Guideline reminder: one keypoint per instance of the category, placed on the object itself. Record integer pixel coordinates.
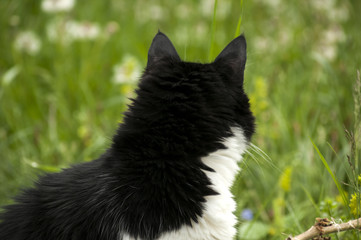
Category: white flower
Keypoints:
(52, 6)
(27, 42)
(127, 71)
(206, 7)
(328, 46)
(334, 34)
(339, 14)
(111, 28)
(275, 4)
(262, 43)
(285, 37)
(67, 31)
(325, 5)
(145, 13)
(334, 12)
(156, 12)
(82, 30)
(55, 30)
(326, 51)
(201, 31)
(184, 11)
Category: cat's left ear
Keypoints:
(234, 55)
(161, 47)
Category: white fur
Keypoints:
(217, 222)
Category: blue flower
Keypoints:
(247, 214)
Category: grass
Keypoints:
(60, 104)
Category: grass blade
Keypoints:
(338, 185)
(210, 57)
(238, 30)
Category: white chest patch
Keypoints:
(218, 221)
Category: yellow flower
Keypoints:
(285, 179)
(340, 199)
(355, 204)
(272, 231)
(84, 134)
(279, 202)
(83, 131)
(258, 98)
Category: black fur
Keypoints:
(151, 180)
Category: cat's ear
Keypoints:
(234, 55)
(161, 47)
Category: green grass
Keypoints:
(61, 104)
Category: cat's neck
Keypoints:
(225, 161)
(218, 220)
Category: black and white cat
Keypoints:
(169, 169)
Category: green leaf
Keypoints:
(253, 230)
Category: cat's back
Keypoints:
(66, 205)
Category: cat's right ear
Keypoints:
(161, 47)
(234, 55)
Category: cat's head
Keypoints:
(192, 102)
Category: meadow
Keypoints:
(67, 69)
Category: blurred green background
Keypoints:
(68, 67)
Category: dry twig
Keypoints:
(323, 226)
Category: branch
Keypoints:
(323, 226)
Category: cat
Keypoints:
(170, 166)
